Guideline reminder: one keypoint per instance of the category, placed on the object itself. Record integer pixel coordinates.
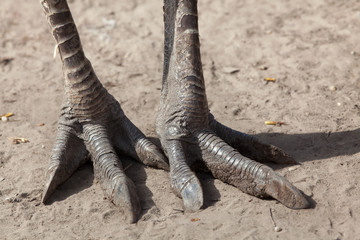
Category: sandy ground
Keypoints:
(310, 47)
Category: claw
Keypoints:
(283, 191)
(68, 154)
(121, 191)
(52, 182)
(192, 196)
(191, 193)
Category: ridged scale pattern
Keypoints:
(230, 166)
(84, 93)
(104, 156)
(183, 181)
(182, 67)
(180, 171)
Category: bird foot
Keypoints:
(190, 136)
(224, 152)
(76, 140)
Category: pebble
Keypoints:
(263, 68)
(277, 229)
(353, 52)
(332, 88)
(4, 119)
(339, 104)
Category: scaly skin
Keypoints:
(93, 123)
(189, 134)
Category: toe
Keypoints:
(150, 155)
(124, 196)
(283, 191)
(68, 154)
(249, 176)
(131, 141)
(250, 146)
(118, 188)
(109, 172)
(184, 182)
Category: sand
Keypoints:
(310, 47)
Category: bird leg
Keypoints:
(92, 123)
(191, 137)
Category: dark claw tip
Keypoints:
(283, 191)
(53, 180)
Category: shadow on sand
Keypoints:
(303, 147)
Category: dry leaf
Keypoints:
(270, 79)
(19, 140)
(270, 123)
(195, 219)
(7, 115)
(274, 123)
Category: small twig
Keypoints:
(330, 223)
(275, 123)
(276, 228)
(272, 218)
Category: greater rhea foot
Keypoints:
(93, 123)
(191, 137)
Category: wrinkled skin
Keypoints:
(191, 137)
(93, 124)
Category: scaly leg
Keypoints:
(189, 134)
(93, 123)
